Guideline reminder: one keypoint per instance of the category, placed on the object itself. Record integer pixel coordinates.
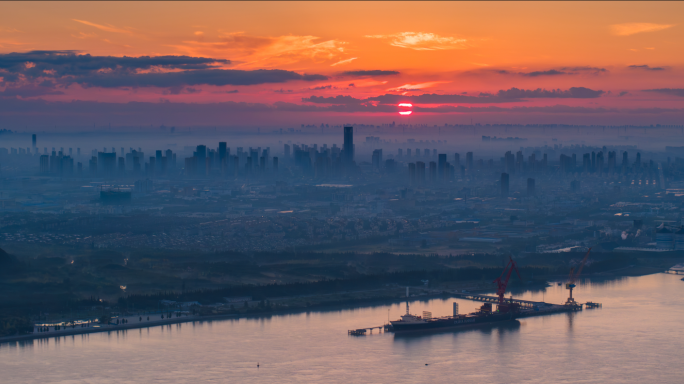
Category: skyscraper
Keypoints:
(433, 172)
(441, 166)
(348, 144)
(376, 160)
(504, 185)
(469, 161)
(530, 187)
(222, 152)
(420, 173)
(412, 173)
(33, 140)
(201, 162)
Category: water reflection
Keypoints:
(503, 328)
(638, 332)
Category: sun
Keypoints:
(404, 109)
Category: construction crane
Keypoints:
(502, 283)
(573, 278)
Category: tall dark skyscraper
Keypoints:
(504, 185)
(433, 172)
(348, 144)
(420, 173)
(222, 152)
(33, 140)
(469, 161)
(441, 166)
(201, 156)
(530, 187)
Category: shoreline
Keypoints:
(193, 318)
(322, 306)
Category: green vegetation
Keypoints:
(62, 283)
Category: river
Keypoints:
(638, 336)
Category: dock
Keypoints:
(494, 300)
(362, 331)
(528, 308)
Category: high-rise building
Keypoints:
(33, 140)
(469, 161)
(530, 187)
(377, 158)
(420, 173)
(44, 164)
(586, 162)
(504, 185)
(457, 160)
(201, 163)
(348, 145)
(106, 163)
(509, 161)
(222, 153)
(412, 173)
(442, 166)
(433, 172)
(92, 166)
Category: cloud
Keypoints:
(623, 93)
(596, 70)
(323, 87)
(261, 51)
(627, 29)
(375, 72)
(432, 98)
(347, 61)
(67, 67)
(70, 63)
(668, 91)
(555, 72)
(422, 41)
(574, 92)
(29, 91)
(646, 67)
(503, 96)
(337, 100)
(415, 87)
(19, 111)
(216, 77)
(107, 28)
(551, 72)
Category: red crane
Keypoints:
(503, 283)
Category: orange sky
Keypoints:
(459, 48)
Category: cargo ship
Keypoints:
(506, 310)
(485, 315)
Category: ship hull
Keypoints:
(398, 326)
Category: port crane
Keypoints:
(502, 283)
(573, 278)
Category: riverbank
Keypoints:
(304, 303)
(312, 302)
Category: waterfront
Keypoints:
(636, 337)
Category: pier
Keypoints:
(362, 331)
(494, 300)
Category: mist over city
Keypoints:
(243, 192)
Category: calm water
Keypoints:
(638, 336)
